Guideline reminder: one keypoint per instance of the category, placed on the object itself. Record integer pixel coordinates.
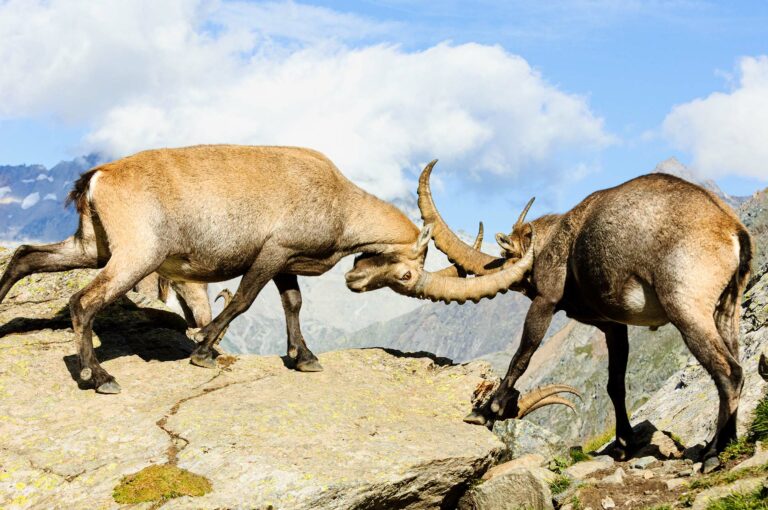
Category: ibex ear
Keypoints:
(424, 236)
(504, 241)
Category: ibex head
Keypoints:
(397, 269)
(403, 271)
(518, 240)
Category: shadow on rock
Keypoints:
(649, 442)
(438, 360)
(124, 329)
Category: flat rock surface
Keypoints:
(375, 429)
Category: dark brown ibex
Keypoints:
(210, 213)
(653, 250)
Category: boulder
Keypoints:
(376, 428)
(522, 437)
(582, 470)
(530, 460)
(515, 489)
(617, 478)
(643, 462)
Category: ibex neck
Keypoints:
(376, 226)
(544, 226)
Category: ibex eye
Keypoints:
(406, 276)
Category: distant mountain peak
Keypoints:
(673, 166)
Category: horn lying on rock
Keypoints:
(544, 396)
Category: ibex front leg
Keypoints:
(503, 404)
(298, 352)
(253, 281)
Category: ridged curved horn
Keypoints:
(547, 402)
(456, 270)
(544, 396)
(472, 260)
(447, 289)
(521, 218)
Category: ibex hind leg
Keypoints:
(702, 337)
(618, 353)
(72, 253)
(193, 298)
(120, 274)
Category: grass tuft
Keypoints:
(577, 455)
(595, 442)
(756, 500)
(160, 483)
(737, 448)
(758, 429)
(559, 484)
(726, 477)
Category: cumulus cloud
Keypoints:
(147, 74)
(727, 132)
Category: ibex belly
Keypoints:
(182, 268)
(641, 306)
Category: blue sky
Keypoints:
(618, 86)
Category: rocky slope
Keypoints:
(754, 214)
(376, 429)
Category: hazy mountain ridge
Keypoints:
(32, 197)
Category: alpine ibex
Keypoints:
(654, 250)
(211, 213)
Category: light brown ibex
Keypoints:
(654, 250)
(211, 213)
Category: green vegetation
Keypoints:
(738, 448)
(559, 484)
(577, 455)
(756, 500)
(558, 464)
(576, 503)
(160, 483)
(595, 442)
(758, 429)
(725, 477)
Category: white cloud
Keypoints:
(727, 133)
(148, 74)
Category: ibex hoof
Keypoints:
(204, 360)
(86, 374)
(109, 388)
(475, 418)
(310, 365)
(195, 334)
